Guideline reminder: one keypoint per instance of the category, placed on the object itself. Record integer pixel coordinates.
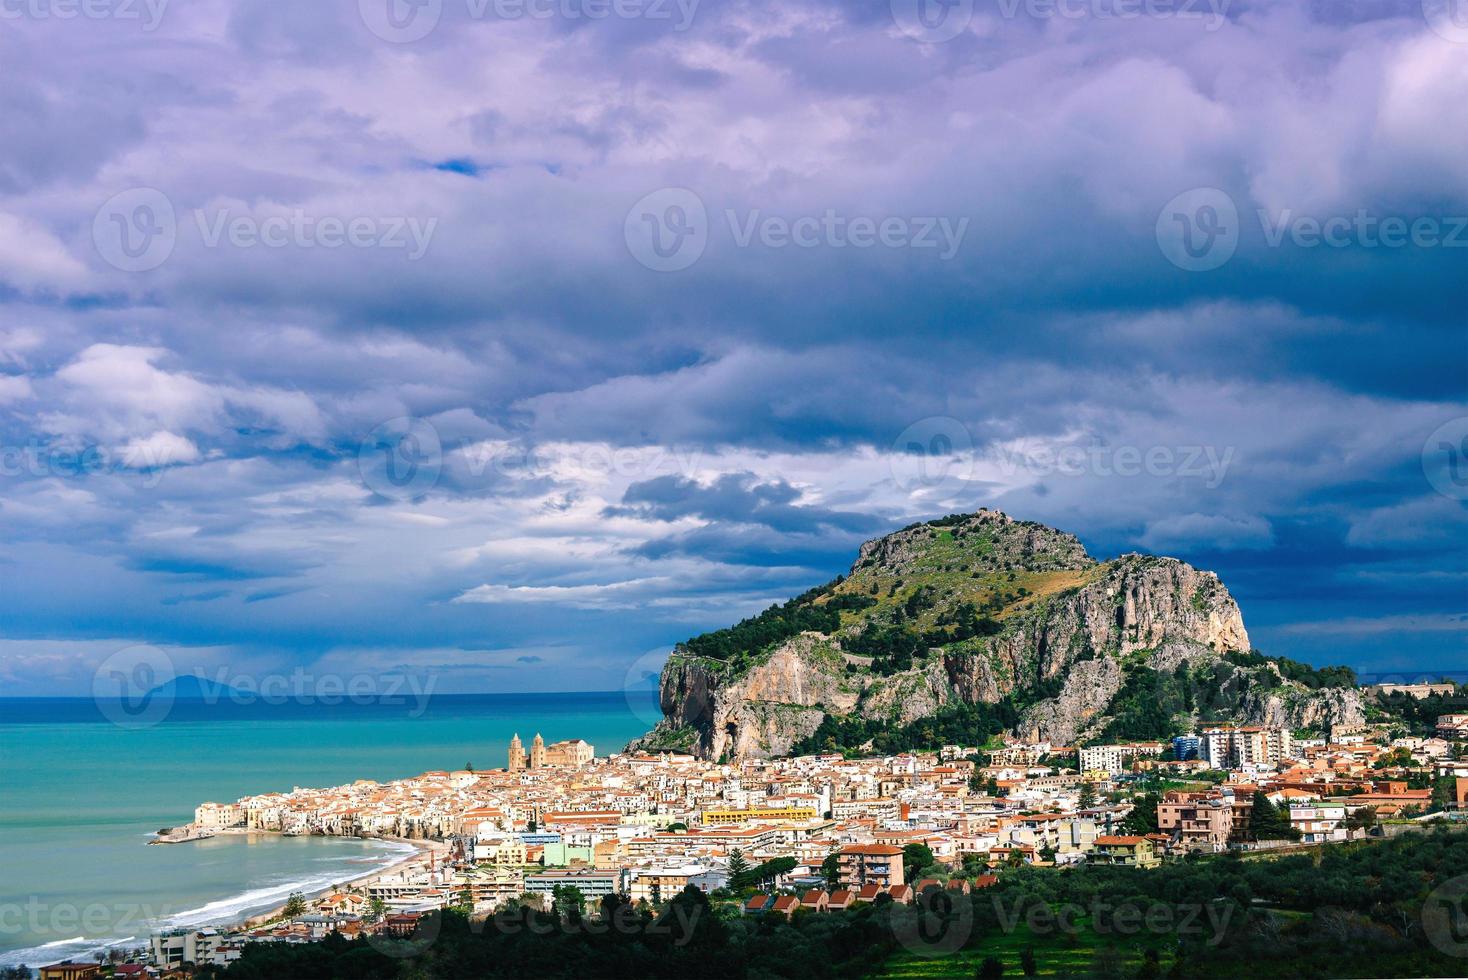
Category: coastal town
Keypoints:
(820, 833)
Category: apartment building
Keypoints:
(1197, 821)
(1320, 823)
(591, 882)
(1228, 746)
(1453, 727)
(863, 864)
(1136, 852)
(1112, 759)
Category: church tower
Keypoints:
(517, 754)
(537, 752)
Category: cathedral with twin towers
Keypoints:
(575, 753)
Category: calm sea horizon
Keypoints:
(87, 783)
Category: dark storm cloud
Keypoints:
(626, 456)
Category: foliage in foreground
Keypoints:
(1352, 910)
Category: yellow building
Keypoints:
(716, 818)
(1138, 852)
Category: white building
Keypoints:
(1228, 746)
(1111, 759)
(1319, 823)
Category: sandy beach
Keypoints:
(424, 850)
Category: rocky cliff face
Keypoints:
(996, 609)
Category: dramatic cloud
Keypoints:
(342, 342)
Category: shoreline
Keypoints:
(235, 921)
(421, 849)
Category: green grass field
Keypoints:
(1056, 954)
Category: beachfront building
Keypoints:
(218, 816)
(70, 970)
(197, 946)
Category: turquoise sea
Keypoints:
(81, 795)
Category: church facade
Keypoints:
(573, 753)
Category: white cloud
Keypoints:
(159, 449)
(31, 258)
(1212, 531)
(14, 388)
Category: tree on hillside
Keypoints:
(765, 873)
(831, 869)
(569, 901)
(1088, 795)
(1143, 818)
(294, 906)
(1269, 822)
(738, 870)
(916, 857)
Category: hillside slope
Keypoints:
(981, 616)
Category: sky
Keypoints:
(510, 342)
